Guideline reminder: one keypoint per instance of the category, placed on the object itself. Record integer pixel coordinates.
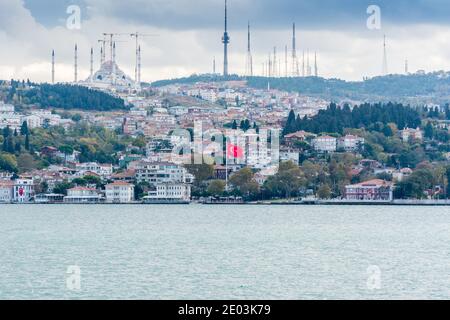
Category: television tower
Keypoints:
(249, 63)
(385, 63)
(53, 67)
(76, 64)
(225, 41)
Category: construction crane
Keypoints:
(111, 40)
(137, 70)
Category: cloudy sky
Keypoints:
(186, 35)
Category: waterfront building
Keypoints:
(83, 195)
(23, 190)
(119, 192)
(99, 169)
(6, 191)
(170, 193)
(371, 190)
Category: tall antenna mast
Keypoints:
(303, 64)
(76, 64)
(249, 63)
(294, 53)
(275, 71)
(53, 66)
(316, 71)
(225, 41)
(385, 63)
(286, 61)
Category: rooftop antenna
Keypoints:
(225, 41)
(249, 62)
(53, 66)
(385, 63)
(76, 64)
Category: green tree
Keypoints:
(429, 131)
(216, 188)
(324, 192)
(243, 183)
(24, 129)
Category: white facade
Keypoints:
(350, 143)
(6, 191)
(33, 121)
(6, 108)
(23, 190)
(100, 169)
(171, 192)
(161, 172)
(83, 195)
(325, 144)
(119, 192)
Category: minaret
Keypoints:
(113, 64)
(316, 71)
(139, 67)
(225, 41)
(249, 62)
(385, 63)
(270, 66)
(275, 71)
(76, 64)
(53, 67)
(294, 53)
(91, 77)
(214, 65)
(406, 67)
(101, 56)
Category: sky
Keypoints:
(185, 35)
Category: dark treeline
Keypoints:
(335, 119)
(62, 96)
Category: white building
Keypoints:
(161, 172)
(119, 192)
(83, 195)
(33, 121)
(23, 190)
(350, 143)
(325, 144)
(100, 169)
(170, 192)
(6, 191)
(408, 134)
(6, 108)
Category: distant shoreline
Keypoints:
(404, 203)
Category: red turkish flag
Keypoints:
(234, 151)
(21, 192)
